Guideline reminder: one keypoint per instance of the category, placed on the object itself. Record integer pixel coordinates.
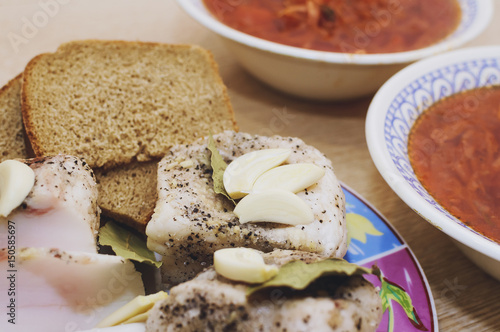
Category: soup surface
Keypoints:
(454, 148)
(352, 26)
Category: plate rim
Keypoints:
(404, 246)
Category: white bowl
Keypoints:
(328, 75)
(393, 112)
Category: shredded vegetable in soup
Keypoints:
(454, 149)
(352, 26)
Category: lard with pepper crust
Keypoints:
(211, 302)
(191, 221)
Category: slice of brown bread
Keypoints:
(114, 102)
(117, 102)
(12, 144)
(128, 193)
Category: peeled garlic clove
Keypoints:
(293, 177)
(132, 327)
(134, 311)
(243, 264)
(274, 205)
(240, 175)
(16, 181)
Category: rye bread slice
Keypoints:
(115, 102)
(127, 194)
(12, 144)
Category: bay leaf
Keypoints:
(126, 243)
(298, 275)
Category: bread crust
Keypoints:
(13, 144)
(10, 84)
(26, 109)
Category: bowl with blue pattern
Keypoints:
(391, 115)
(322, 75)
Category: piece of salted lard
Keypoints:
(56, 290)
(60, 211)
(211, 302)
(191, 221)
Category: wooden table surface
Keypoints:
(466, 298)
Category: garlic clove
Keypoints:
(243, 264)
(134, 311)
(16, 181)
(274, 205)
(292, 177)
(240, 175)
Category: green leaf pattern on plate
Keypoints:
(393, 292)
(126, 244)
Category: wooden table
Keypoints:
(466, 298)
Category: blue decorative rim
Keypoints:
(417, 96)
(469, 12)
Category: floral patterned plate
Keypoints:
(406, 297)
